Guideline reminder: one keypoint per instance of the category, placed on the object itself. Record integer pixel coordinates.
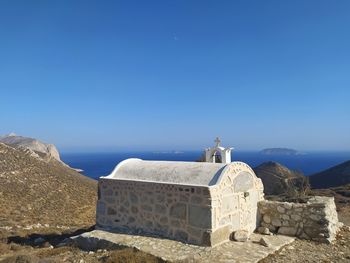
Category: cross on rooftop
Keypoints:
(217, 141)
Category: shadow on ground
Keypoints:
(36, 240)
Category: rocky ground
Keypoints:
(11, 253)
(309, 251)
(42, 202)
(299, 251)
(39, 196)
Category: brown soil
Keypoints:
(309, 251)
(39, 196)
(12, 253)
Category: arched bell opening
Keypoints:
(217, 157)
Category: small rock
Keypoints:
(288, 231)
(45, 244)
(91, 252)
(241, 235)
(276, 222)
(267, 219)
(281, 209)
(264, 242)
(263, 230)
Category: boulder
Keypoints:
(263, 230)
(287, 231)
(264, 242)
(241, 235)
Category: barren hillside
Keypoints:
(278, 179)
(335, 176)
(36, 195)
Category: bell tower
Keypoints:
(218, 154)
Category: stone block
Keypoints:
(175, 223)
(111, 211)
(243, 182)
(179, 211)
(199, 216)
(147, 208)
(263, 230)
(285, 223)
(267, 219)
(276, 222)
(196, 199)
(160, 209)
(311, 231)
(281, 209)
(235, 221)
(296, 217)
(160, 198)
(264, 242)
(287, 206)
(218, 236)
(285, 217)
(181, 235)
(163, 220)
(133, 198)
(287, 231)
(241, 235)
(196, 232)
(229, 204)
(131, 220)
(108, 192)
(134, 209)
(184, 198)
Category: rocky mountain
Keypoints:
(38, 149)
(36, 195)
(280, 151)
(31, 144)
(335, 176)
(278, 179)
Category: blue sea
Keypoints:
(95, 165)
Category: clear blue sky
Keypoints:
(97, 75)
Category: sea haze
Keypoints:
(102, 164)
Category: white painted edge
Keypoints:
(246, 168)
(112, 174)
(155, 182)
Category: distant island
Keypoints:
(280, 151)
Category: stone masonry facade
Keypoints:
(167, 210)
(200, 215)
(316, 219)
(235, 199)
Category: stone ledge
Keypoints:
(170, 250)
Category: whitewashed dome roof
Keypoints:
(187, 173)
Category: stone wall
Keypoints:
(201, 215)
(175, 211)
(235, 200)
(316, 219)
